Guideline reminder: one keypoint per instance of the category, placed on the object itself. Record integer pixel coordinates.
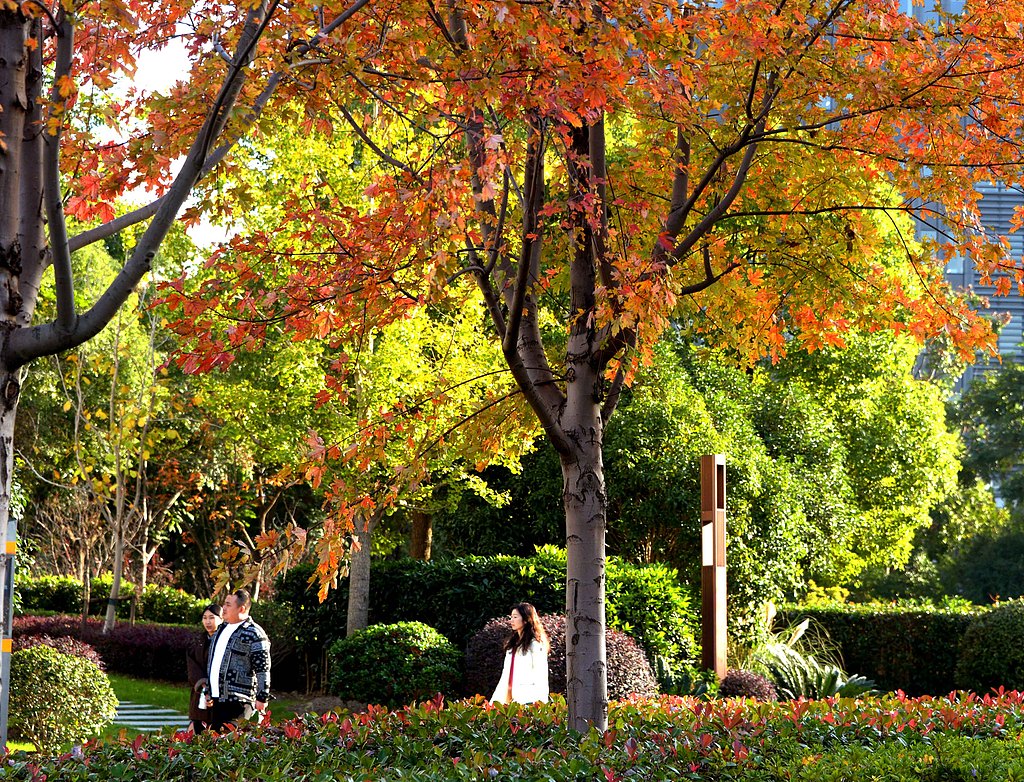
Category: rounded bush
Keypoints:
(169, 605)
(629, 671)
(64, 645)
(746, 684)
(58, 698)
(394, 664)
(50, 593)
(991, 652)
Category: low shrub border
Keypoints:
(912, 649)
(144, 650)
(896, 738)
(459, 596)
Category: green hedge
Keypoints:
(459, 596)
(63, 595)
(911, 649)
(992, 650)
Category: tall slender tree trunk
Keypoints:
(585, 501)
(110, 618)
(359, 574)
(422, 534)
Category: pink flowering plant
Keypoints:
(897, 737)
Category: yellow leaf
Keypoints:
(67, 405)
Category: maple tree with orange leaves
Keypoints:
(624, 165)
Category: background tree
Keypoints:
(719, 162)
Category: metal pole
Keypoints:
(10, 543)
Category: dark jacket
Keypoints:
(244, 673)
(196, 654)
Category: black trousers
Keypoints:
(225, 715)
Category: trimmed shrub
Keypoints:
(99, 596)
(991, 650)
(137, 650)
(58, 698)
(62, 594)
(169, 605)
(394, 664)
(629, 672)
(64, 645)
(746, 684)
(913, 649)
(459, 596)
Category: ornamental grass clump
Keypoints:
(58, 698)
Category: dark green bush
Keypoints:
(99, 596)
(394, 664)
(992, 650)
(913, 649)
(62, 594)
(169, 605)
(58, 698)
(459, 596)
(629, 672)
(746, 684)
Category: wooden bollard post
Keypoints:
(712, 577)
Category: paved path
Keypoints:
(147, 719)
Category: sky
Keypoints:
(157, 71)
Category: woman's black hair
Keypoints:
(533, 630)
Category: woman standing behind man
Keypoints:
(524, 676)
(195, 655)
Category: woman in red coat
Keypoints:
(195, 656)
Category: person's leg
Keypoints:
(226, 715)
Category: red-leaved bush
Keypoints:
(64, 645)
(141, 649)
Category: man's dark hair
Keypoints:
(244, 599)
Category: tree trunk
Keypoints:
(422, 535)
(115, 587)
(585, 504)
(359, 574)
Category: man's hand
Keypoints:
(261, 706)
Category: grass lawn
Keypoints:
(174, 695)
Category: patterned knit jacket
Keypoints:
(245, 670)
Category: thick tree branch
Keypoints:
(61, 256)
(29, 343)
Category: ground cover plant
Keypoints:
(962, 736)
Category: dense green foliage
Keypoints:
(57, 698)
(991, 416)
(835, 461)
(394, 664)
(63, 595)
(895, 739)
(901, 648)
(992, 650)
(459, 596)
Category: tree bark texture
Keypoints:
(359, 575)
(422, 535)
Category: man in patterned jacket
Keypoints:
(239, 664)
